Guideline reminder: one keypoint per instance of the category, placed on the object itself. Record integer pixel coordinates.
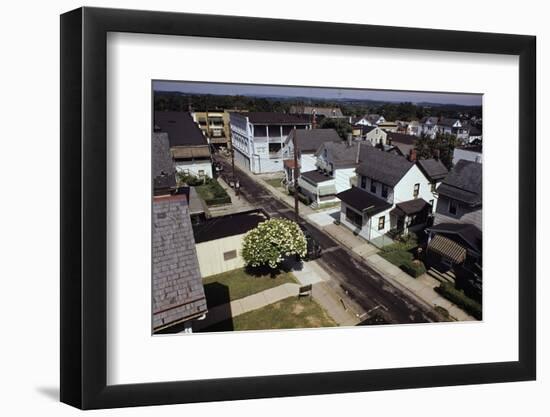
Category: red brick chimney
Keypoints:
(412, 155)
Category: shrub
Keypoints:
(413, 268)
(271, 241)
(458, 297)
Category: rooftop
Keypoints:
(230, 225)
(433, 169)
(463, 183)
(180, 127)
(383, 167)
(410, 207)
(178, 293)
(363, 201)
(468, 232)
(309, 140)
(315, 177)
(164, 173)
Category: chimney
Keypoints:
(412, 155)
(358, 152)
(349, 139)
(314, 119)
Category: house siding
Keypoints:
(464, 214)
(193, 167)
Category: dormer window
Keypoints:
(373, 187)
(363, 182)
(384, 191)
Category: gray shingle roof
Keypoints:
(363, 201)
(410, 207)
(310, 140)
(383, 167)
(164, 177)
(178, 293)
(342, 155)
(229, 225)
(463, 183)
(181, 128)
(433, 169)
(444, 121)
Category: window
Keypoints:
(201, 172)
(354, 217)
(363, 181)
(452, 206)
(373, 187)
(416, 190)
(381, 222)
(232, 254)
(325, 153)
(431, 206)
(384, 191)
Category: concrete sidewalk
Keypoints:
(244, 305)
(421, 288)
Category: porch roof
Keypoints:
(316, 177)
(363, 201)
(410, 207)
(448, 249)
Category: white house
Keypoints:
(336, 163)
(258, 138)
(452, 127)
(392, 194)
(188, 145)
(429, 126)
(308, 142)
(374, 135)
(371, 120)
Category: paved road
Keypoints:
(361, 283)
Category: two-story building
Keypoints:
(374, 135)
(308, 142)
(258, 138)
(392, 194)
(188, 145)
(371, 120)
(452, 127)
(336, 163)
(455, 239)
(213, 126)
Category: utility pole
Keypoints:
(296, 175)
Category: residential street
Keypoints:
(352, 277)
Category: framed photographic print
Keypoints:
(257, 208)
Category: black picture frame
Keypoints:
(84, 207)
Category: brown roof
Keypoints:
(185, 152)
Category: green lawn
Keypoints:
(290, 313)
(399, 254)
(275, 182)
(213, 193)
(239, 283)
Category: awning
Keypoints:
(448, 249)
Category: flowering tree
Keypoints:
(271, 241)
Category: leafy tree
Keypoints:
(271, 241)
(342, 126)
(441, 147)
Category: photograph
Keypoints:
(296, 207)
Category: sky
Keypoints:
(315, 92)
